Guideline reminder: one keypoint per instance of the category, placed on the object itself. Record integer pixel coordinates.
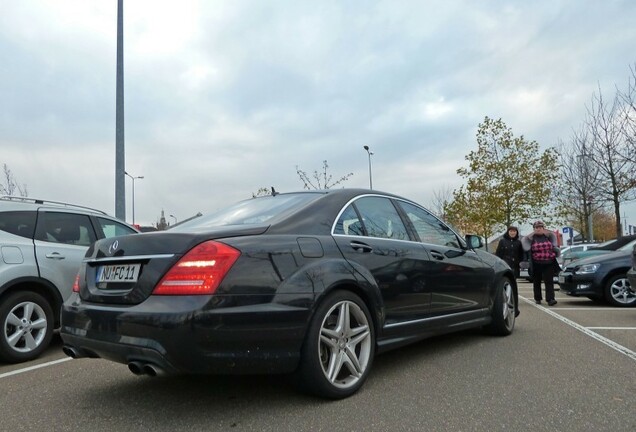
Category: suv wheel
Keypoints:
(27, 326)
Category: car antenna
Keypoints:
(274, 193)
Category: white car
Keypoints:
(567, 251)
(42, 245)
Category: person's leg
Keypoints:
(536, 281)
(548, 279)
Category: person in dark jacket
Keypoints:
(509, 249)
(542, 247)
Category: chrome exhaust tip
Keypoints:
(136, 368)
(72, 352)
(152, 370)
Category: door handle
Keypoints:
(361, 247)
(55, 256)
(437, 255)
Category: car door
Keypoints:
(459, 279)
(61, 240)
(371, 234)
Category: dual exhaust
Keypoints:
(139, 368)
(136, 367)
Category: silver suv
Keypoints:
(42, 244)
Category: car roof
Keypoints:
(616, 243)
(21, 203)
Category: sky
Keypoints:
(225, 97)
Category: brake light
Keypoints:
(200, 271)
(76, 283)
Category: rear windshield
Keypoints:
(255, 211)
(20, 223)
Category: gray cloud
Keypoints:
(225, 97)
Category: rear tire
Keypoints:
(503, 309)
(26, 320)
(339, 347)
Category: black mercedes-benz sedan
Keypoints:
(313, 283)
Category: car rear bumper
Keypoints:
(178, 335)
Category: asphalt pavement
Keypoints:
(567, 368)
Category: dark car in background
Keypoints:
(622, 243)
(313, 283)
(631, 273)
(601, 277)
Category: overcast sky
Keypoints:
(225, 97)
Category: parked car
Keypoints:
(568, 252)
(601, 277)
(313, 283)
(42, 244)
(631, 273)
(602, 248)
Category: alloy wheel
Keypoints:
(508, 305)
(345, 344)
(621, 291)
(25, 327)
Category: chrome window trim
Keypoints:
(344, 207)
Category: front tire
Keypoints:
(27, 326)
(503, 309)
(618, 292)
(339, 347)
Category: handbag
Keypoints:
(556, 266)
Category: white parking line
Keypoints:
(30, 368)
(591, 309)
(611, 328)
(610, 343)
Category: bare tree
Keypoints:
(578, 183)
(629, 99)
(609, 152)
(321, 180)
(441, 198)
(8, 184)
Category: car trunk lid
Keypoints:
(125, 270)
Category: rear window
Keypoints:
(20, 223)
(255, 211)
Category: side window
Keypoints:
(21, 223)
(429, 228)
(381, 219)
(66, 228)
(111, 228)
(349, 223)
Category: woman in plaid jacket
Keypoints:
(542, 247)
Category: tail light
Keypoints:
(76, 284)
(200, 271)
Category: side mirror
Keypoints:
(474, 242)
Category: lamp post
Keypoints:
(370, 177)
(175, 219)
(133, 193)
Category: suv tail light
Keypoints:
(76, 287)
(200, 271)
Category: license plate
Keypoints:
(118, 273)
(561, 279)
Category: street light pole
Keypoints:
(370, 177)
(175, 218)
(133, 193)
